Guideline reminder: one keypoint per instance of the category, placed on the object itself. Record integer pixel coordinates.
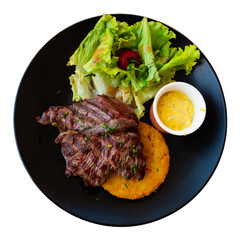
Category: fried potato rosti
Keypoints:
(157, 158)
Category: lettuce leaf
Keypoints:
(96, 58)
(88, 46)
(81, 86)
(182, 60)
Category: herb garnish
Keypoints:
(133, 168)
(65, 114)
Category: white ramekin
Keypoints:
(198, 102)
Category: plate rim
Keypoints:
(84, 218)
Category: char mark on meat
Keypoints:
(93, 158)
(84, 158)
(98, 136)
(91, 115)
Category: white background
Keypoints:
(25, 26)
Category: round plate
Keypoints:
(193, 158)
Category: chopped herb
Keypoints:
(126, 186)
(75, 120)
(130, 145)
(120, 144)
(92, 122)
(109, 146)
(82, 121)
(139, 166)
(120, 141)
(80, 116)
(104, 125)
(81, 126)
(124, 160)
(133, 168)
(98, 198)
(59, 91)
(94, 164)
(157, 169)
(135, 150)
(102, 134)
(65, 114)
(86, 138)
(74, 110)
(88, 127)
(127, 178)
(64, 127)
(116, 124)
(133, 146)
(54, 123)
(155, 191)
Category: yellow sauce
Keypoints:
(175, 110)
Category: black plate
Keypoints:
(193, 158)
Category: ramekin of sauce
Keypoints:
(178, 108)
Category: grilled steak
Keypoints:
(84, 157)
(98, 136)
(101, 114)
(94, 158)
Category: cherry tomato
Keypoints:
(127, 57)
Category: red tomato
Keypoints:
(127, 57)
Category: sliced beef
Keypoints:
(94, 158)
(101, 114)
(125, 154)
(84, 157)
(98, 136)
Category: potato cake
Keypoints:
(157, 158)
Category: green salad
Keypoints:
(128, 62)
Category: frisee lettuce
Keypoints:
(96, 60)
